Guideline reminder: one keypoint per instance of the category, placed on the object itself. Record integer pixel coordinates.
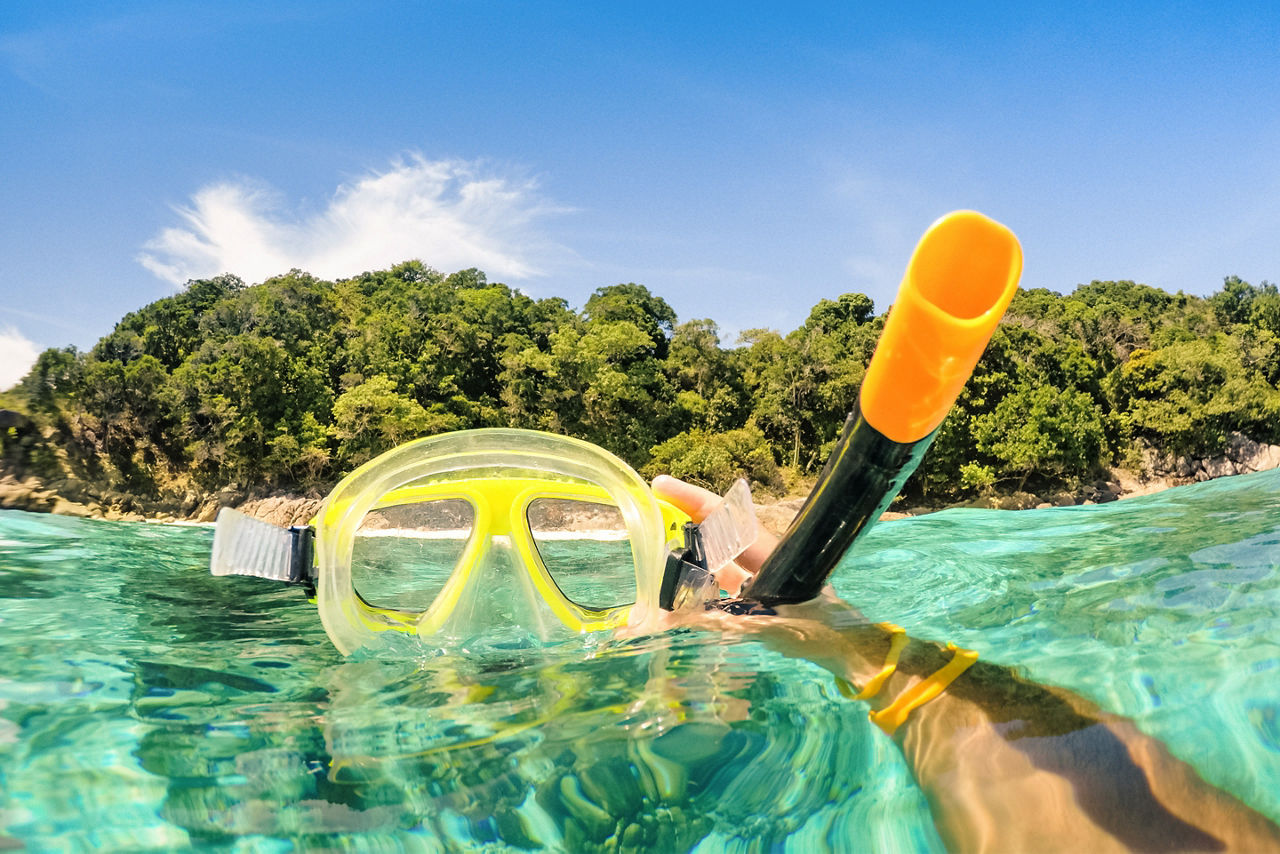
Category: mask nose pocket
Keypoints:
(405, 553)
(499, 604)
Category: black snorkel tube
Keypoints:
(958, 284)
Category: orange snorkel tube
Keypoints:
(958, 284)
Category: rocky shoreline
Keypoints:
(73, 499)
(1157, 472)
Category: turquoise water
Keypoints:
(145, 705)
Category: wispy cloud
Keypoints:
(17, 355)
(451, 214)
(43, 319)
(884, 216)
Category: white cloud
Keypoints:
(17, 355)
(450, 214)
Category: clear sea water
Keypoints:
(145, 705)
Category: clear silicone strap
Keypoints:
(730, 528)
(243, 545)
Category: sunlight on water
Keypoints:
(1165, 608)
(145, 705)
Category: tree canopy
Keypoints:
(295, 381)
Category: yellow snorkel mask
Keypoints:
(500, 534)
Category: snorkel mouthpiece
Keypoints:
(958, 284)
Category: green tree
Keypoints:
(1234, 302)
(1264, 310)
(1055, 434)
(626, 397)
(632, 303)
(291, 381)
(601, 377)
(845, 314)
(119, 423)
(805, 384)
(715, 460)
(233, 398)
(56, 378)
(300, 453)
(374, 417)
(1031, 364)
(782, 384)
(168, 329)
(708, 379)
(1186, 397)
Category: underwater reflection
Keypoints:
(655, 744)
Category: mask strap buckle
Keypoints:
(688, 578)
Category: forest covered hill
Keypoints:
(291, 383)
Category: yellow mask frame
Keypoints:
(501, 509)
(499, 472)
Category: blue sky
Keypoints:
(742, 160)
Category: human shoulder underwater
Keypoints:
(459, 521)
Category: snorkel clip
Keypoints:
(689, 576)
(685, 577)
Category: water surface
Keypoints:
(145, 705)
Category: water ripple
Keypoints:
(147, 706)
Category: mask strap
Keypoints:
(243, 545)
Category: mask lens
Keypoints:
(405, 553)
(586, 550)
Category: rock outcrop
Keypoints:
(775, 517)
(27, 494)
(1242, 456)
(282, 510)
